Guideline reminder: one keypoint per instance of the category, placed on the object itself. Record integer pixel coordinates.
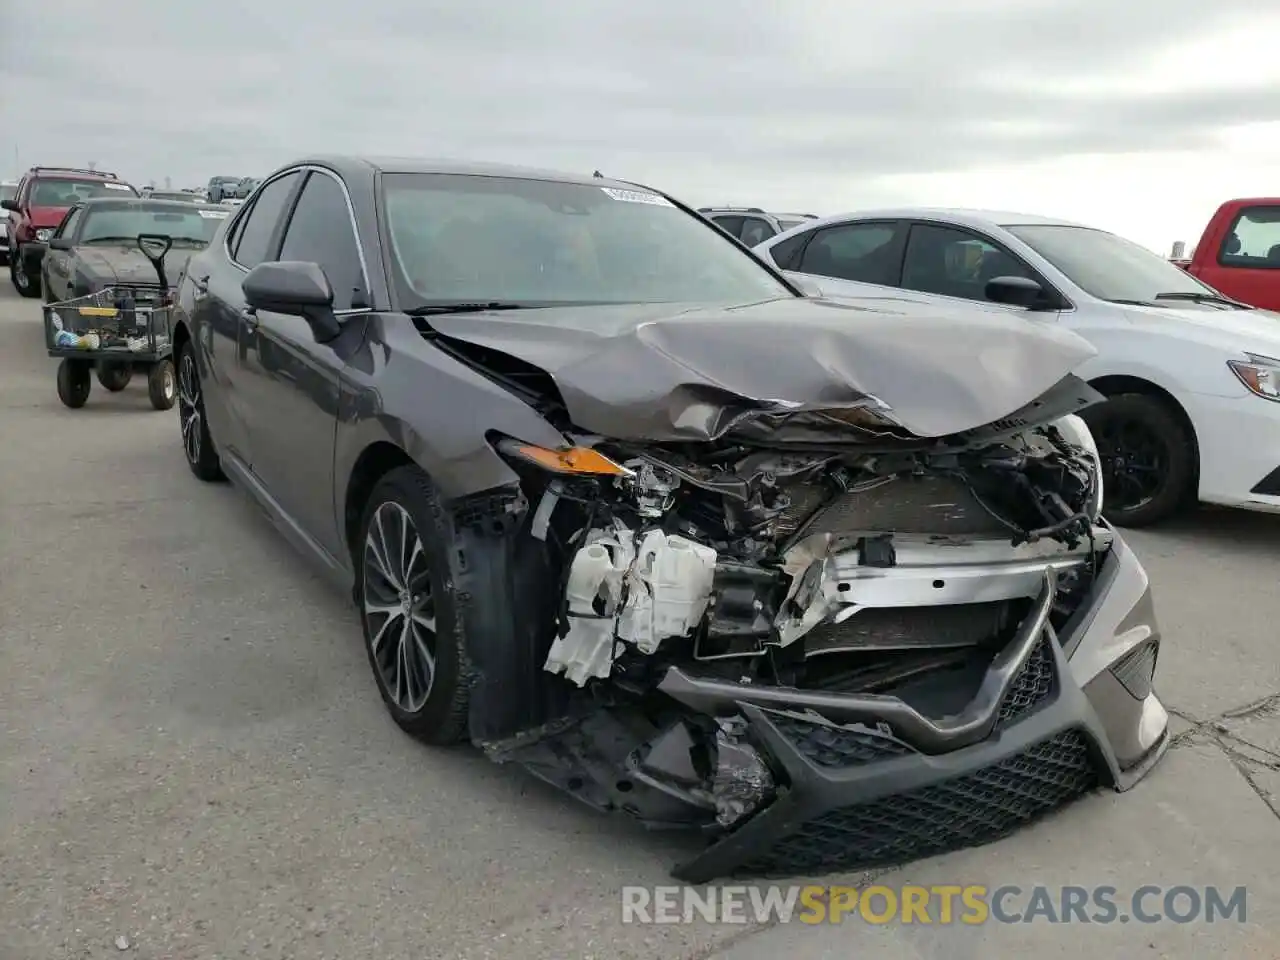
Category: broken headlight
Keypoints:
(1075, 431)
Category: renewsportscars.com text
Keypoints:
(939, 904)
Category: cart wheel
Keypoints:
(73, 383)
(115, 376)
(162, 385)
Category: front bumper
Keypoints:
(1052, 721)
(1239, 440)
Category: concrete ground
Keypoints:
(194, 762)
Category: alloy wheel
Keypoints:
(399, 608)
(1135, 462)
(190, 416)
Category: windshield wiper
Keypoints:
(434, 309)
(1194, 297)
(111, 240)
(1135, 303)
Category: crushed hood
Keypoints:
(662, 372)
(127, 264)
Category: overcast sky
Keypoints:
(1139, 117)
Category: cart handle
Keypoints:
(154, 246)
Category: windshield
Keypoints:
(65, 192)
(125, 223)
(459, 238)
(1107, 266)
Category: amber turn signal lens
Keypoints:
(573, 460)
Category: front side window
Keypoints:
(320, 231)
(123, 224)
(462, 238)
(955, 263)
(1107, 266)
(1253, 240)
(67, 192)
(256, 231)
(67, 227)
(865, 252)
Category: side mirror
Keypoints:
(61, 243)
(1015, 291)
(11, 205)
(297, 289)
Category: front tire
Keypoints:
(23, 282)
(407, 610)
(197, 443)
(1148, 459)
(74, 383)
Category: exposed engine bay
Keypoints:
(869, 592)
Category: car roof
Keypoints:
(354, 166)
(179, 205)
(959, 215)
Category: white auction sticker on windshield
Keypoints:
(118, 186)
(214, 214)
(637, 196)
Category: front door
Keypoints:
(58, 277)
(293, 382)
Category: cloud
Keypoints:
(814, 105)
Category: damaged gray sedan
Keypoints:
(824, 582)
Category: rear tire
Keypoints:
(1148, 459)
(73, 383)
(407, 610)
(114, 376)
(197, 442)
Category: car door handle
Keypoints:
(250, 320)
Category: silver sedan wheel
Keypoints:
(190, 416)
(399, 609)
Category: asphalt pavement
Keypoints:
(194, 762)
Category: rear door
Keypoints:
(860, 251)
(291, 381)
(218, 310)
(1246, 264)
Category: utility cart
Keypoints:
(114, 332)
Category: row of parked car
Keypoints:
(1190, 372)
(1182, 363)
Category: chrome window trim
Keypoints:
(247, 210)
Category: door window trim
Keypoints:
(246, 211)
(313, 169)
(75, 210)
(982, 237)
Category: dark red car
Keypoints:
(43, 197)
(1239, 252)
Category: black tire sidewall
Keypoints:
(114, 376)
(74, 383)
(1156, 417)
(443, 718)
(208, 465)
(155, 385)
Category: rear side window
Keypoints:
(865, 252)
(756, 231)
(730, 225)
(785, 253)
(1253, 240)
(253, 242)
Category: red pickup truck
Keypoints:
(1239, 253)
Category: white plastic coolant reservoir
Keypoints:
(587, 649)
(670, 587)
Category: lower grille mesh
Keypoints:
(959, 813)
(1032, 685)
(836, 747)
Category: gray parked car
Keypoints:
(618, 502)
(752, 225)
